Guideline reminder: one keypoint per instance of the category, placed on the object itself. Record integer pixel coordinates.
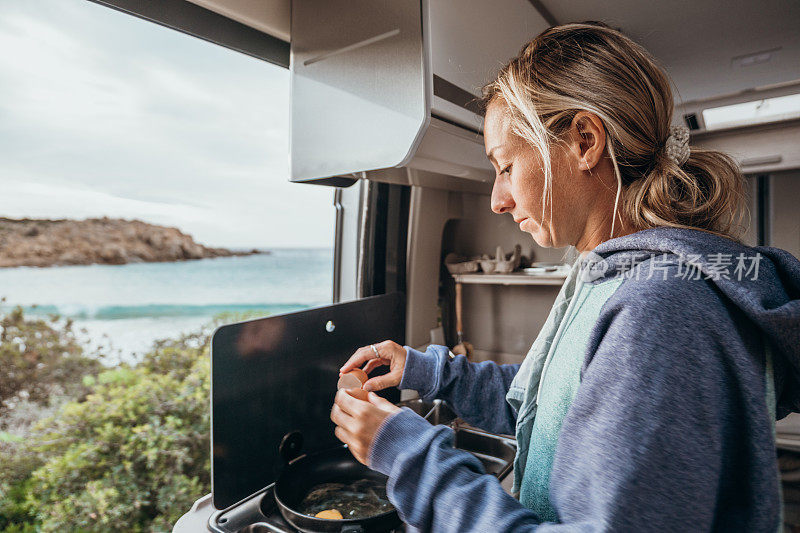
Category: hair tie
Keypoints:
(677, 146)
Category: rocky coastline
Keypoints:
(108, 241)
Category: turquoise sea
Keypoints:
(130, 306)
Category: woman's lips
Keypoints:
(528, 221)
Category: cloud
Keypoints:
(37, 199)
(105, 114)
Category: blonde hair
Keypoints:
(592, 67)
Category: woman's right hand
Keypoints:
(388, 353)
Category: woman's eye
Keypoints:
(506, 170)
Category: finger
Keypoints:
(382, 403)
(340, 418)
(343, 435)
(361, 356)
(359, 454)
(349, 404)
(375, 363)
(389, 349)
(386, 346)
(355, 449)
(382, 382)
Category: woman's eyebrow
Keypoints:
(490, 155)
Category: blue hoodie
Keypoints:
(647, 402)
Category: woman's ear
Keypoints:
(588, 139)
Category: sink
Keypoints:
(436, 412)
(495, 452)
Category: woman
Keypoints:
(648, 400)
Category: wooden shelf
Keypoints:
(515, 278)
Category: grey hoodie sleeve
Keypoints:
(475, 391)
(643, 447)
(436, 487)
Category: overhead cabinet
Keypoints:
(394, 84)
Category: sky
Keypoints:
(104, 114)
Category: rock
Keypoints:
(113, 254)
(191, 250)
(173, 252)
(129, 232)
(156, 240)
(30, 242)
(70, 257)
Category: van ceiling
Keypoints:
(706, 46)
(700, 42)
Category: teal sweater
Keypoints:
(547, 382)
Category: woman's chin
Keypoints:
(540, 235)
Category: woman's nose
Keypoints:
(501, 196)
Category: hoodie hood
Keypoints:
(763, 282)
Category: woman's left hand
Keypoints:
(357, 419)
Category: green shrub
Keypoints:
(134, 454)
(40, 359)
(124, 448)
(130, 453)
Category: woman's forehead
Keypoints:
(496, 125)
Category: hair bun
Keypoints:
(677, 145)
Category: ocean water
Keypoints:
(128, 307)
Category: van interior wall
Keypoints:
(778, 210)
(768, 153)
(784, 200)
(500, 321)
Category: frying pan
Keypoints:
(336, 465)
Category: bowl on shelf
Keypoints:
(460, 265)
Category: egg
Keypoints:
(329, 514)
(361, 394)
(354, 379)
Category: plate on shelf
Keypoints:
(546, 268)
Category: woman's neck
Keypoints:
(598, 229)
